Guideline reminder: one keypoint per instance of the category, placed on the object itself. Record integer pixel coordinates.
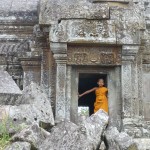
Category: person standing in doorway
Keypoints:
(101, 101)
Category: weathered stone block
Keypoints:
(7, 84)
(120, 1)
(84, 31)
(67, 135)
(143, 143)
(19, 146)
(9, 91)
(51, 10)
(119, 141)
(136, 127)
(33, 134)
(32, 106)
(129, 21)
(17, 11)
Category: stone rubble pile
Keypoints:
(119, 141)
(66, 135)
(29, 118)
(31, 107)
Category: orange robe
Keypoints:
(101, 99)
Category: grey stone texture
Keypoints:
(7, 84)
(136, 128)
(66, 9)
(33, 135)
(18, 11)
(119, 141)
(32, 106)
(67, 135)
(142, 143)
(9, 91)
(19, 146)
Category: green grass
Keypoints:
(4, 135)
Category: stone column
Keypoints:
(59, 50)
(32, 70)
(48, 75)
(129, 81)
(3, 62)
(126, 87)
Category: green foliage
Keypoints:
(4, 134)
(6, 124)
(84, 111)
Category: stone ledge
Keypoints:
(79, 9)
(120, 1)
(7, 84)
(8, 99)
(143, 143)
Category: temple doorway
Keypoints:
(88, 81)
(84, 78)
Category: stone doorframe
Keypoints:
(114, 87)
(130, 81)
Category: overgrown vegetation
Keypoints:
(6, 124)
(4, 134)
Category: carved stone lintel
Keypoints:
(94, 55)
(77, 31)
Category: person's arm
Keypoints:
(87, 92)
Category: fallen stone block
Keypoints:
(9, 91)
(33, 135)
(33, 106)
(68, 136)
(19, 146)
(119, 141)
(142, 143)
(95, 126)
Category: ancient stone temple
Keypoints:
(65, 46)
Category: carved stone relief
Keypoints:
(60, 91)
(3, 60)
(146, 59)
(94, 55)
(126, 89)
(135, 90)
(146, 94)
(82, 31)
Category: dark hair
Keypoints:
(100, 79)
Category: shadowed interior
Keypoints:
(88, 81)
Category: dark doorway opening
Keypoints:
(88, 81)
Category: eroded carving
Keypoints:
(126, 89)
(94, 55)
(85, 30)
